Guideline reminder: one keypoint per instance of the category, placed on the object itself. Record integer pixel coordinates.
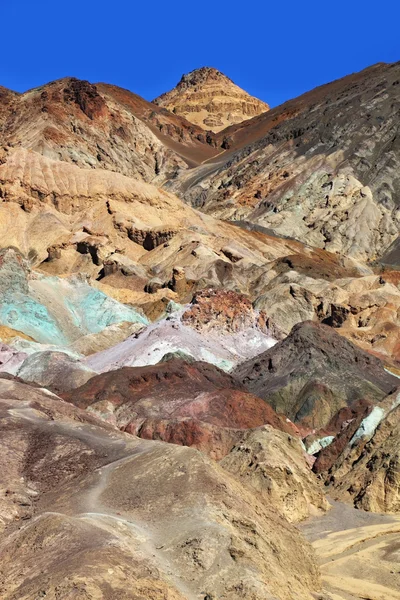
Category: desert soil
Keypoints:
(358, 553)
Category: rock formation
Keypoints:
(209, 99)
(220, 306)
(364, 309)
(68, 219)
(69, 213)
(273, 464)
(52, 310)
(202, 335)
(362, 463)
(313, 373)
(321, 168)
(100, 127)
(193, 404)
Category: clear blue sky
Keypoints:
(274, 50)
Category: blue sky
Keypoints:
(274, 50)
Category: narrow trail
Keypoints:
(134, 535)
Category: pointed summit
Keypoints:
(211, 100)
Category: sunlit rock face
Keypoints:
(322, 168)
(273, 464)
(209, 99)
(100, 127)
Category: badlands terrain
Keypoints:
(200, 342)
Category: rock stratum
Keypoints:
(209, 99)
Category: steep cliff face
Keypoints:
(211, 100)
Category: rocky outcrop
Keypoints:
(225, 310)
(188, 140)
(211, 100)
(83, 220)
(273, 464)
(365, 469)
(341, 430)
(193, 404)
(86, 96)
(314, 373)
(7, 99)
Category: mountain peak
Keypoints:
(202, 75)
(211, 100)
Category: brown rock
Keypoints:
(273, 464)
(194, 404)
(211, 100)
(313, 373)
(223, 309)
(109, 509)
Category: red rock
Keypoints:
(191, 404)
(227, 310)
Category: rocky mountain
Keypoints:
(219, 308)
(147, 247)
(313, 373)
(193, 404)
(364, 309)
(100, 127)
(322, 167)
(210, 100)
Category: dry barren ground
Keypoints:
(358, 553)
